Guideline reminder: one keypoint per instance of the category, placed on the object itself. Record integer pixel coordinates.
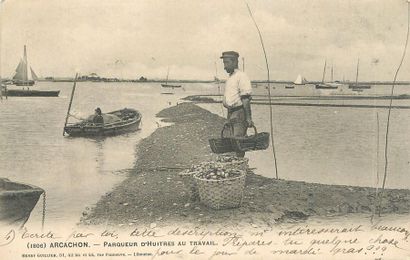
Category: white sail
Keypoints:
(22, 77)
(21, 71)
(33, 74)
(300, 80)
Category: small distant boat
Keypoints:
(115, 123)
(289, 86)
(356, 86)
(170, 86)
(327, 85)
(17, 200)
(300, 80)
(166, 85)
(22, 78)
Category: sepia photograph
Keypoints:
(234, 129)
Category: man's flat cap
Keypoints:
(229, 54)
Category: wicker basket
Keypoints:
(258, 141)
(223, 144)
(190, 184)
(221, 194)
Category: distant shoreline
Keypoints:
(108, 80)
(222, 81)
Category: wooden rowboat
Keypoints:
(17, 200)
(126, 120)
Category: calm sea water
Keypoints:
(315, 144)
(75, 172)
(333, 145)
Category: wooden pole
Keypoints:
(71, 101)
(357, 72)
(324, 72)
(269, 94)
(390, 105)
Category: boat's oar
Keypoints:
(69, 105)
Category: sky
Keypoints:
(134, 38)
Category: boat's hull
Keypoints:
(17, 200)
(170, 86)
(360, 86)
(30, 93)
(92, 130)
(323, 86)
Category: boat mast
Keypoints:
(25, 72)
(69, 104)
(324, 73)
(357, 71)
(243, 64)
(331, 79)
(166, 81)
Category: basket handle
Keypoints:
(226, 125)
(254, 129)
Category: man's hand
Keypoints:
(250, 123)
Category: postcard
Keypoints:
(204, 129)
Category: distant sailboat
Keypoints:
(166, 85)
(21, 77)
(300, 80)
(326, 85)
(356, 86)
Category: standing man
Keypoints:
(237, 96)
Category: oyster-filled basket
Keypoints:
(233, 162)
(221, 193)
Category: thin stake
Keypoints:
(377, 167)
(270, 101)
(391, 101)
(71, 101)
